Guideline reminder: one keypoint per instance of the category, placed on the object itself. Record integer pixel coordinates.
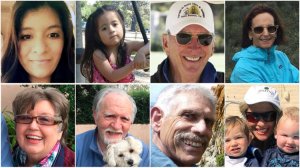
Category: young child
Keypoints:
(107, 55)
(237, 140)
(286, 154)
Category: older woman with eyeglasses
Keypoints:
(261, 110)
(259, 61)
(41, 117)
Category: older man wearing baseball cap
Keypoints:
(188, 43)
(261, 108)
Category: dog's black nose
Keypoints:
(130, 162)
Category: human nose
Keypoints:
(39, 45)
(33, 125)
(117, 124)
(200, 127)
(265, 31)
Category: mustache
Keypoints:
(113, 130)
(192, 137)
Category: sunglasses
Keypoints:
(260, 29)
(254, 117)
(185, 38)
(42, 120)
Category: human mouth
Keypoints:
(193, 143)
(262, 131)
(235, 150)
(192, 59)
(33, 137)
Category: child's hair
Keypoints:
(93, 42)
(233, 121)
(12, 70)
(291, 113)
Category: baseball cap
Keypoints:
(257, 94)
(182, 14)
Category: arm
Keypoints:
(140, 60)
(104, 67)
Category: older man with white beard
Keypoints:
(114, 112)
(182, 119)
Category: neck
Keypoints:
(32, 160)
(40, 80)
(179, 77)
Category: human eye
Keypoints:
(188, 116)
(125, 119)
(25, 37)
(45, 119)
(54, 35)
(227, 140)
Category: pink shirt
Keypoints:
(98, 78)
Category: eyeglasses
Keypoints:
(42, 120)
(185, 38)
(260, 29)
(254, 117)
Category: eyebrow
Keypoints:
(49, 27)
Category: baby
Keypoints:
(237, 140)
(286, 154)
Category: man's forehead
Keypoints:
(194, 28)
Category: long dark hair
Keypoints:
(256, 10)
(12, 70)
(93, 42)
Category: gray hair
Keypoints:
(167, 95)
(102, 93)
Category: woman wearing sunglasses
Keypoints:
(41, 117)
(188, 45)
(259, 61)
(261, 110)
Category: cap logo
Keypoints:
(191, 9)
(266, 89)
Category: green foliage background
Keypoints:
(85, 95)
(69, 92)
(235, 12)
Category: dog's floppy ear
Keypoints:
(109, 157)
(135, 144)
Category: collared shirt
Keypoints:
(159, 159)
(88, 155)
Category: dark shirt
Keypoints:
(209, 74)
(274, 157)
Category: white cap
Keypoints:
(182, 14)
(257, 94)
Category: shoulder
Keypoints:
(69, 159)
(86, 136)
(99, 54)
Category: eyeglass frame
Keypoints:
(192, 35)
(56, 119)
(276, 29)
(258, 116)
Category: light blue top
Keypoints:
(257, 65)
(159, 159)
(88, 155)
(6, 156)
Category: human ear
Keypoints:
(165, 43)
(156, 118)
(95, 117)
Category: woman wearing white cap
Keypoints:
(261, 110)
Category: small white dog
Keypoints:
(125, 153)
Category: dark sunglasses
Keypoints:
(185, 38)
(260, 29)
(42, 120)
(254, 117)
